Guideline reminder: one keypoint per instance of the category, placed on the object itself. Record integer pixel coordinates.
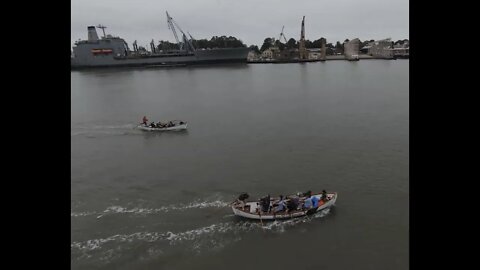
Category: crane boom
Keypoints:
(282, 35)
(172, 27)
(188, 42)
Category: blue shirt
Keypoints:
(308, 203)
(315, 201)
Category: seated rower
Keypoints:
(280, 205)
(324, 196)
(314, 201)
(152, 124)
(241, 200)
(265, 204)
(308, 203)
(292, 204)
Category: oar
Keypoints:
(261, 221)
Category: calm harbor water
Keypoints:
(144, 200)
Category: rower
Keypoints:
(265, 204)
(241, 200)
(281, 206)
(308, 203)
(324, 196)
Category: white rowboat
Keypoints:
(252, 209)
(177, 125)
(148, 128)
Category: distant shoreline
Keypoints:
(328, 58)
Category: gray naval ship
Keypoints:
(110, 51)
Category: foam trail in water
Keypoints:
(170, 237)
(164, 209)
(90, 131)
(115, 209)
(209, 233)
(82, 214)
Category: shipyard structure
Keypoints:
(351, 50)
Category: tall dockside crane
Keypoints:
(187, 42)
(302, 50)
(282, 35)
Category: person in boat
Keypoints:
(265, 204)
(314, 201)
(292, 203)
(324, 196)
(152, 124)
(241, 200)
(170, 124)
(144, 120)
(307, 204)
(280, 205)
(307, 194)
(160, 125)
(181, 123)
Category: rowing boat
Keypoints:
(252, 209)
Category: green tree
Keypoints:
(308, 44)
(280, 45)
(291, 43)
(339, 47)
(267, 43)
(254, 48)
(167, 45)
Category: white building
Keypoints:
(267, 54)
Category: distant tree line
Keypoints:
(214, 42)
(233, 42)
(218, 42)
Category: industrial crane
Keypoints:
(282, 35)
(171, 25)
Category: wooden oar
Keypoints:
(261, 221)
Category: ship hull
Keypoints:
(199, 57)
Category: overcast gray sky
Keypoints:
(249, 20)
